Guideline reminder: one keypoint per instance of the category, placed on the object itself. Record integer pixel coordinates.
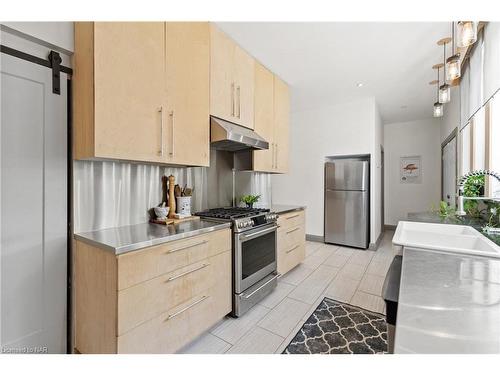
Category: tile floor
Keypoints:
(347, 275)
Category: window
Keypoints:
(493, 142)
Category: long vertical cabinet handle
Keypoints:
(172, 150)
(238, 91)
(275, 159)
(160, 110)
(232, 99)
(277, 150)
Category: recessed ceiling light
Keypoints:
(359, 84)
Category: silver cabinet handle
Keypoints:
(187, 272)
(171, 114)
(293, 216)
(232, 99)
(292, 230)
(293, 248)
(187, 246)
(277, 155)
(160, 110)
(186, 308)
(269, 230)
(238, 91)
(260, 287)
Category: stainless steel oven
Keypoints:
(254, 266)
(254, 253)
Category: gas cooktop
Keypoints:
(231, 213)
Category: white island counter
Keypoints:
(448, 303)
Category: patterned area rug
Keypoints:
(338, 328)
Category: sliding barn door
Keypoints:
(33, 209)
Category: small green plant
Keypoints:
(473, 187)
(493, 212)
(250, 199)
(445, 210)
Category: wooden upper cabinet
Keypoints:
(231, 80)
(281, 124)
(132, 87)
(121, 74)
(244, 80)
(222, 90)
(188, 76)
(272, 107)
(263, 160)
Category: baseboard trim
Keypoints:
(390, 227)
(314, 238)
(374, 246)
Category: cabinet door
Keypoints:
(263, 160)
(244, 78)
(222, 85)
(186, 133)
(281, 120)
(129, 89)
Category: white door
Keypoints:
(449, 172)
(33, 209)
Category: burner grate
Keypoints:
(231, 213)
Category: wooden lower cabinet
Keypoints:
(291, 240)
(173, 293)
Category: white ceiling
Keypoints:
(323, 62)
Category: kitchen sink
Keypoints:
(444, 237)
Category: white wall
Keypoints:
(451, 117)
(376, 177)
(58, 34)
(341, 129)
(421, 137)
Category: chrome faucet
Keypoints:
(460, 210)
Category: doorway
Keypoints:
(449, 169)
(382, 208)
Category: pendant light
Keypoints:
(453, 62)
(466, 33)
(438, 107)
(444, 89)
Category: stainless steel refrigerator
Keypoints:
(347, 202)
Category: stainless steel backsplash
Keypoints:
(108, 194)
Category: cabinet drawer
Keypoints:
(291, 219)
(173, 329)
(139, 266)
(146, 300)
(291, 257)
(289, 237)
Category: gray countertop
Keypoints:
(284, 208)
(448, 303)
(134, 237)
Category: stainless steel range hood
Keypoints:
(227, 136)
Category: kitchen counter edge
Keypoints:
(285, 208)
(209, 226)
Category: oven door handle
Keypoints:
(260, 232)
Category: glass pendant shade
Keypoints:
(453, 68)
(438, 110)
(444, 93)
(466, 33)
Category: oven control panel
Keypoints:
(254, 221)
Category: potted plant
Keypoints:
(250, 199)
